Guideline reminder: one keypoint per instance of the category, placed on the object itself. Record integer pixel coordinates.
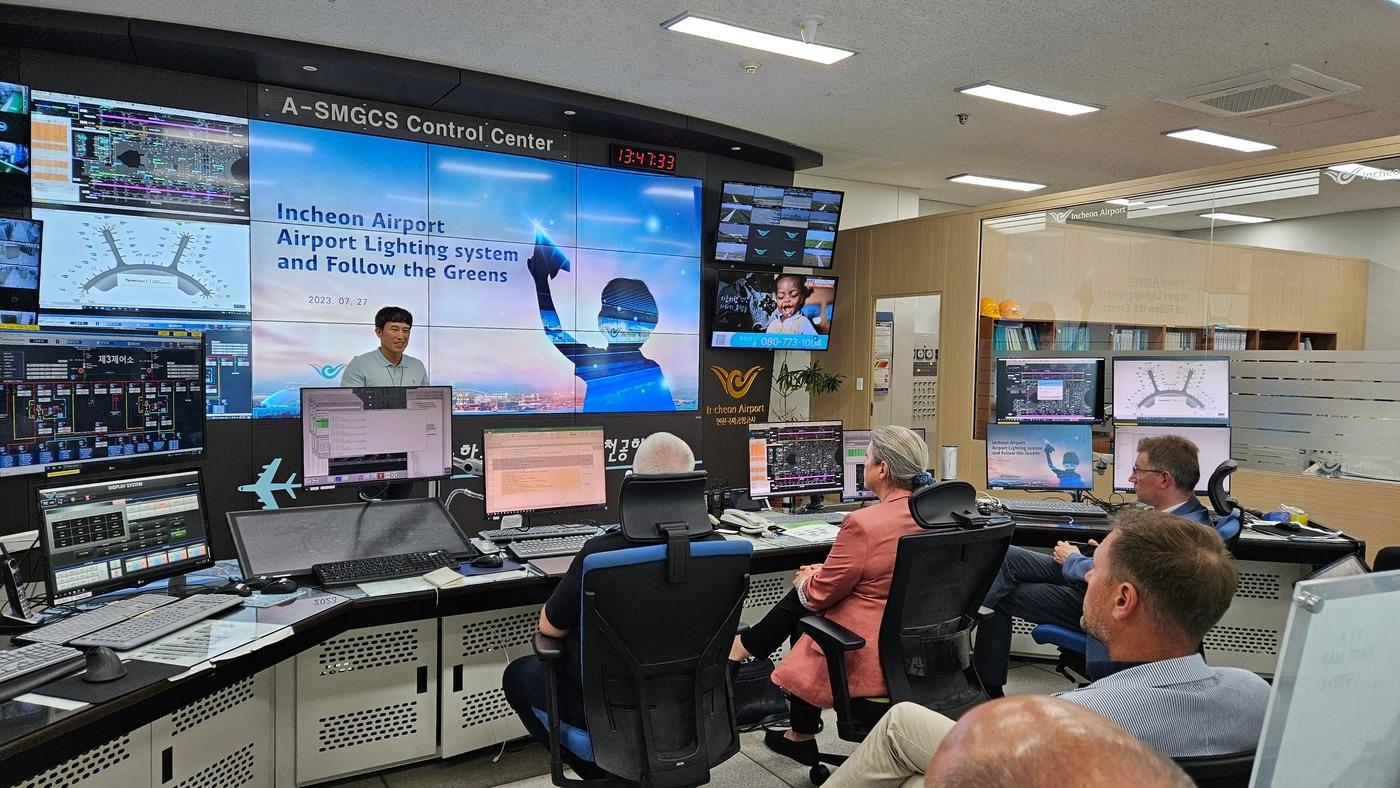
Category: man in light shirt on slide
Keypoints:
(387, 365)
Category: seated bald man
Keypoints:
(1057, 744)
(1159, 583)
(524, 682)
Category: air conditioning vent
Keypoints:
(1266, 91)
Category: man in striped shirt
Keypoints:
(1158, 584)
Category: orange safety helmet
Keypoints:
(1009, 308)
(989, 308)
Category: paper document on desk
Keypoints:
(812, 532)
(403, 585)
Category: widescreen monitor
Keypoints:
(795, 458)
(1040, 456)
(375, 435)
(1062, 390)
(1212, 445)
(122, 532)
(777, 225)
(96, 400)
(20, 252)
(855, 442)
(1171, 389)
(535, 469)
(773, 311)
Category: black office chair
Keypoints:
(1387, 559)
(1219, 771)
(656, 626)
(940, 579)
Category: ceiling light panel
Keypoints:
(996, 183)
(1235, 217)
(754, 39)
(1021, 98)
(1221, 195)
(1219, 140)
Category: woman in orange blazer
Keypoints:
(850, 588)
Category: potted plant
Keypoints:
(811, 379)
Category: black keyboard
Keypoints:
(385, 567)
(1052, 508)
(508, 535)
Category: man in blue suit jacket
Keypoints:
(1046, 589)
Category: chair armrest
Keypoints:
(834, 641)
(829, 636)
(548, 649)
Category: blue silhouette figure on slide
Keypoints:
(619, 377)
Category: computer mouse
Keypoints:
(103, 664)
(240, 589)
(487, 561)
(280, 585)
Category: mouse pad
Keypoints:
(138, 674)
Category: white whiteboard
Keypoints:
(1334, 712)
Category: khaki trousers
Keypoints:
(897, 750)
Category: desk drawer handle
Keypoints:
(456, 678)
(422, 679)
(167, 765)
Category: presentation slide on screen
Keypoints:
(1040, 456)
(536, 286)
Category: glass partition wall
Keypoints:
(1294, 276)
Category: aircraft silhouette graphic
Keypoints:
(265, 486)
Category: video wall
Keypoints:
(536, 286)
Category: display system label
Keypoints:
(324, 111)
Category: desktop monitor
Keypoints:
(854, 444)
(768, 311)
(1040, 456)
(795, 458)
(776, 226)
(1171, 389)
(1063, 390)
(375, 434)
(535, 469)
(20, 244)
(71, 399)
(1212, 444)
(121, 533)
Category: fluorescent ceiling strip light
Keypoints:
(1236, 217)
(996, 183)
(753, 39)
(1022, 223)
(1199, 199)
(1121, 201)
(1219, 140)
(1021, 98)
(1365, 172)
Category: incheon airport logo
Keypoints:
(735, 383)
(1343, 174)
(328, 371)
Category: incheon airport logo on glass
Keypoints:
(1343, 174)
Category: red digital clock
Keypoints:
(643, 158)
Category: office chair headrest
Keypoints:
(933, 506)
(651, 506)
(1220, 501)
